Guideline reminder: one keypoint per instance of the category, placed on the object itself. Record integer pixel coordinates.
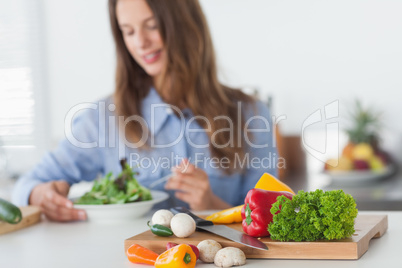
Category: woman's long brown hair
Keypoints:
(190, 76)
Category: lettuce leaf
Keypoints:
(123, 189)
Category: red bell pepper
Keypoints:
(256, 212)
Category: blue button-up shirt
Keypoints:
(94, 145)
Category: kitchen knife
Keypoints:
(222, 230)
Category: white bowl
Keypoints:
(122, 212)
(359, 176)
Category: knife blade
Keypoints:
(223, 230)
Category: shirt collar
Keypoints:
(155, 111)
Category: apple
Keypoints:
(330, 164)
(341, 164)
(376, 163)
(361, 165)
(345, 164)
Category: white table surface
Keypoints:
(86, 244)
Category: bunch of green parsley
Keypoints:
(311, 216)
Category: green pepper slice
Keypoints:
(160, 230)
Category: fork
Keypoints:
(161, 180)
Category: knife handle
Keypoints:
(198, 221)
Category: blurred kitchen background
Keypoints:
(306, 57)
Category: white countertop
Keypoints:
(85, 244)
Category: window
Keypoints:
(22, 93)
(16, 107)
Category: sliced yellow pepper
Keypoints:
(232, 215)
(226, 216)
(270, 183)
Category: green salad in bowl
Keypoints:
(120, 190)
(118, 198)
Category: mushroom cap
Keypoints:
(230, 256)
(182, 225)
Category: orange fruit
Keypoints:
(348, 150)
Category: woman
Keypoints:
(168, 112)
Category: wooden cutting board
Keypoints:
(366, 226)
(30, 215)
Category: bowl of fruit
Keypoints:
(362, 159)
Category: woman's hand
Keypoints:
(52, 198)
(192, 185)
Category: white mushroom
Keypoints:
(162, 217)
(208, 248)
(182, 225)
(230, 256)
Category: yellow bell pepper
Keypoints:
(180, 256)
(232, 215)
(270, 183)
(226, 216)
